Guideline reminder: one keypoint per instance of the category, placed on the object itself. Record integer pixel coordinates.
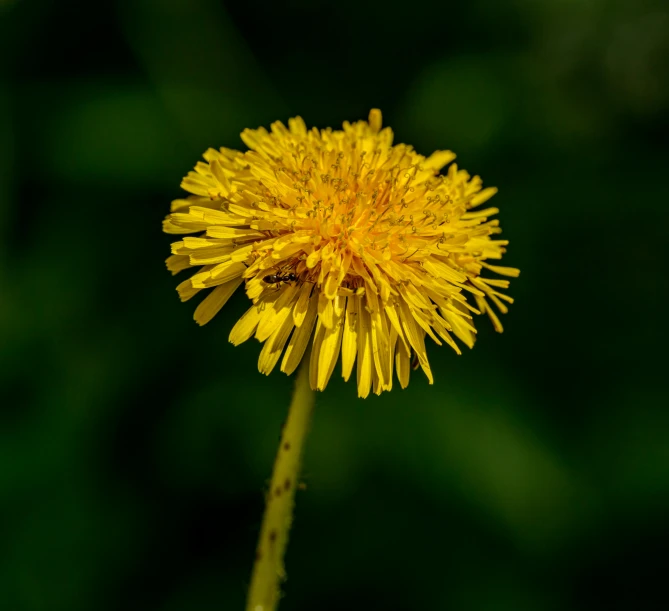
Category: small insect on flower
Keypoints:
(376, 248)
(279, 278)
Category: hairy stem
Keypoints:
(268, 570)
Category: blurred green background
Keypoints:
(135, 446)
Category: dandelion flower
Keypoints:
(344, 240)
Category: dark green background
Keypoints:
(134, 445)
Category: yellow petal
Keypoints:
(360, 269)
(177, 263)
(219, 174)
(413, 296)
(377, 387)
(300, 308)
(271, 351)
(479, 214)
(214, 216)
(276, 312)
(220, 231)
(178, 248)
(176, 224)
(183, 204)
(461, 327)
(441, 327)
(246, 325)
(325, 270)
(438, 160)
(415, 337)
(213, 302)
(186, 290)
(502, 271)
(403, 366)
(483, 196)
(345, 265)
(339, 305)
(207, 256)
(243, 252)
(287, 251)
(193, 243)
(500, 306)
(350, 340)
(486, 309)
(195, 186)
(313, 258)
(365, 364)
(375, 120)
(319, 334)
(440, 269)
(297, 126)
(325, 310)
(390, 357)
(380, 346)
(372, 301)
(501, 284)
(331, 284)
(300, 338)
(391, 312)
(329, 351)
(424, 321)
(219, 273)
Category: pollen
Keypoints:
(342, 240)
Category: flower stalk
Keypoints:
(268, 569)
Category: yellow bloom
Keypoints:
(343, 237)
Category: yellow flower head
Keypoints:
(343, 237)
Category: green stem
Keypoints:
(268, 570)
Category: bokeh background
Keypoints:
(135, 446)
